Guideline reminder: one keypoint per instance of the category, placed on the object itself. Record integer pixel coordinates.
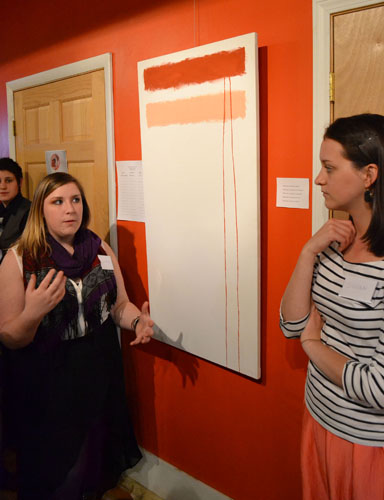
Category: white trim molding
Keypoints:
(103, 61)
(169, 482)
(322, 11)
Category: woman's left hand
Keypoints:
(330, 362)
(314, 326)
(143, 330)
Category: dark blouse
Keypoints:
(13, 218)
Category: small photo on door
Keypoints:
(56, 161)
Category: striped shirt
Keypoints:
(354, 328)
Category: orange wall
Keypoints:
(238, 435)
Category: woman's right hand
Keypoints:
(21, 310)
(342, 231)
(47, 295)
(296, 301)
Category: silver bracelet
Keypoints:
(134, 323)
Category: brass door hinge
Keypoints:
(14, 127)
(332, 87)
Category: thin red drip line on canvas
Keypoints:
(237, 227)
(225, 242)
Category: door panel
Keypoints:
(357, 61)
(67, 115)
(37, 125)
(36, 171)
(77, 119)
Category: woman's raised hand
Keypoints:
(47, 295)
(342, 231)
(144, 330)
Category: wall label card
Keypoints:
(130, 204)
(292, 192)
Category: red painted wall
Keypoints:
(236, 434)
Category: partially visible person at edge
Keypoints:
(14, 208)
(14, 211)
(334, 303)
(61, 295)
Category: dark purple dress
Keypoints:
(68, 402)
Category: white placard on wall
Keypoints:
(130, 191)
(292, 192)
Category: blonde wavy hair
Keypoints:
(34, 237)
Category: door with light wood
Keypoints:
(357, 63)
(66, 115)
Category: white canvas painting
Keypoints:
(200, 151)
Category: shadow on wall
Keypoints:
(56, 23)
(263, 124)
(141, 359)
(294, 353)
(133, 282)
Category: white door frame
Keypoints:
(103, 61)
(322, 11)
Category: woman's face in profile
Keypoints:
(9, 187)
(55, 162)
(342, 184)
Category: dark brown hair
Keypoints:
(13, 167)
(362, 138)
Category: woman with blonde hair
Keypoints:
(61, 295)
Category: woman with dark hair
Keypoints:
(334, 302)
(14, 208)
(61, 295)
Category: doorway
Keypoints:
(348, 58)
(60, 109)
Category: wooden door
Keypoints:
(66, 115)
(357, 64)
(358, 61)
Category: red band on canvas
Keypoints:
(198, 70)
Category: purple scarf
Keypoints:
(99, 288)
(86, 247)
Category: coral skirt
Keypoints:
(335, 469)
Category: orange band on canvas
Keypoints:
(198, 109)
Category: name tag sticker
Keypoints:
(358, 288)
(106, 262)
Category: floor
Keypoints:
(7, 495)
(127, 489)
(137, 491)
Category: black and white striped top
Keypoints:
(355, 329)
